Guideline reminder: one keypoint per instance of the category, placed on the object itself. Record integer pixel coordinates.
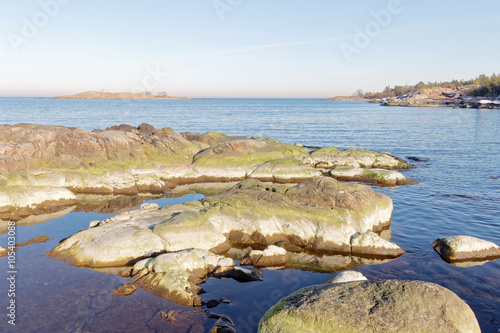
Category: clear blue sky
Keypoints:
(242, 48)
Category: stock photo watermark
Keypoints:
(11, 273)
(222, 7)
(32, 25)
(371, 30)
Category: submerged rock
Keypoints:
(371, 306)
(223, 325)
(465, 248)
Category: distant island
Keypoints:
(483, 92)
(124, 95)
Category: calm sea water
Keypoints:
(456, 195)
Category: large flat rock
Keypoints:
(320, 214)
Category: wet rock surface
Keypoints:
(371, 306)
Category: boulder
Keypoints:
(347, 276)
(465, 248)
(271, 256)
(372, 244)
(371, 306)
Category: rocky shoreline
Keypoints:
(267, 204)
(435, 97)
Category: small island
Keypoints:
(123, 95)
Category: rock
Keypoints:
(287, 149)
(127, 160)
(380, 176)
(320, 214)
(372, 244)
(417, 158)
(146, 129)
(170, 315)
(215, 302)
(328, 158)
(39, 239)
(175, 276)
(223, 325)
(115, 241)
(285, 170)
(43, 199)
(232, 160)
(465, 248)
(271, 256)
(125, 290)
(371, 306)
(4, 251)
(240, 274)
(347, 276)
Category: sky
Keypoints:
(242, 48)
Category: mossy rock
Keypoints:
(371, 306)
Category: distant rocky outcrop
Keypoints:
(371, 306)
(124, 95)
(438, 97)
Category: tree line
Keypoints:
(482, 85)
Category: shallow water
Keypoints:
(456, 195)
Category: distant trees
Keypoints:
(359, 93)
(483, 85)
(162, 93)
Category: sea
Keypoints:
(458, 153)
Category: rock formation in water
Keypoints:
(465, 248)
(320, 215)
(55, 162)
